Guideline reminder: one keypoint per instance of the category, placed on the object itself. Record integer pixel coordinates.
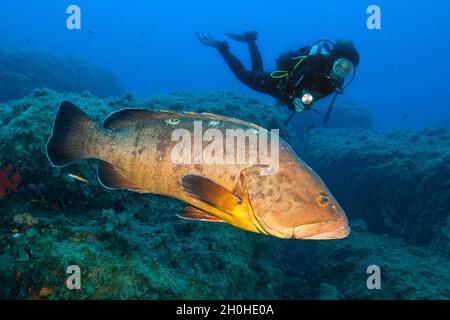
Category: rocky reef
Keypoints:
(396, 181)
(23, 71)
(343, 115)
(443, 123)
(339, 269)
(128, 245)
(131, 245)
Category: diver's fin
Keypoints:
(243, 37)
(70, 129)
(191, 213)
(207, 40)
(210, 192)
(128, 117)
(111, 178)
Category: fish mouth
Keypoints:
(331, 230)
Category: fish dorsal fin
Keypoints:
(111, 178)
(128, 117)
(216, 117)
(208, 191)
(191, 213)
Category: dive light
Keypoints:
(307, 98)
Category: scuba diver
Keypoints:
(302, 76)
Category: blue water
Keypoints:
(151, 45)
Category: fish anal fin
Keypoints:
(111, 178)
(210, 192)
(191, 213)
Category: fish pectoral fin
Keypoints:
(191, 213)
(208, 191)
(241, 188)
(111, 178)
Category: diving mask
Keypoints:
(343, 68)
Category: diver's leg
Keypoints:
(255, 54)
(250, 37)
(234, 64)
(232, 61)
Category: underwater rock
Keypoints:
(132, 245)
(344, 115)
(338, 269)
(22, 254)
(396, 181)
(443, 123)
(27, 126)
(140, 247)
(25, 219)
(8, 180)
(23, 71)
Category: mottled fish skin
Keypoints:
(142, 153)
(292, 203)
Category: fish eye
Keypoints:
(322, 199)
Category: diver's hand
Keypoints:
(299, 107)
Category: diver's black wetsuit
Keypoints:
(311, 74)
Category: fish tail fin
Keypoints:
(71, 128)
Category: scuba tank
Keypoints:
(290, 60)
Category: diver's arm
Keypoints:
(286, 98)
(293, 100)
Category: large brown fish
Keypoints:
(134, 147)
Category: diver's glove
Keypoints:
(298, 105)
